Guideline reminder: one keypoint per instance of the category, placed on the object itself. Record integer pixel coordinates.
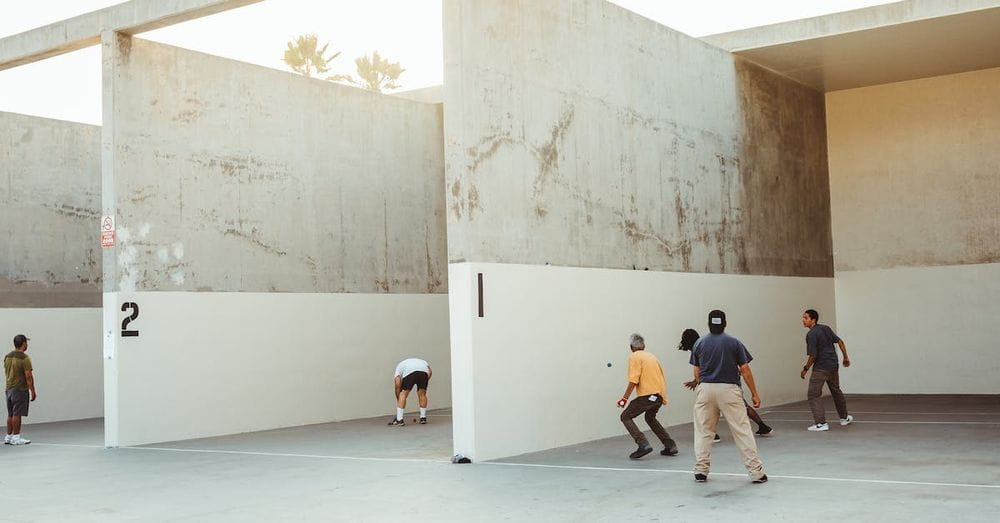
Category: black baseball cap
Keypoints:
(717, 317)
(19, 340)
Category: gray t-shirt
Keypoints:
(819, 343)
(719, 357)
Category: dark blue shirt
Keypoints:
(719, 357)
(819, 343)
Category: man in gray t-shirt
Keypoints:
(718, 360)
(822, 358)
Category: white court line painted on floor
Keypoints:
(898, 422)
(288, 455)
(68, 445)
(531, 465)
(770, 476)
(903, 413)
(250, 453)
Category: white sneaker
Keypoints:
(846, 421)
(16, 439)
(6, 439)
(818, 427)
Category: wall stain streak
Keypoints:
(486, 148)
(638, 234)
(72, 211)
(253, 239)
(548, 153)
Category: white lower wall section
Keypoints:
(65, 349)
(533, 372)
(928, 330)
(207, 364)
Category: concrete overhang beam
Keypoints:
(877, 45)
(133, 17)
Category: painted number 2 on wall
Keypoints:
(130, 318)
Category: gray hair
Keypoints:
(637, 342)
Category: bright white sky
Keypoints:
(68, 87)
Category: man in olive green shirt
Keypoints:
(17, 368)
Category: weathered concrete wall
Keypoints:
(581, 134)
(915, 187)
(233, 177)
(915, 172)
(50, 183)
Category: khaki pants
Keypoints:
(727, 399)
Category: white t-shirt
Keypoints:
(409, 366)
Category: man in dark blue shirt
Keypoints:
(719, 360)
(825, 369)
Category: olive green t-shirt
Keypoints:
(14, 365)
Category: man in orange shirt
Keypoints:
(645, 377)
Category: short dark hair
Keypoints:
(813, 314)
(716, 321)
(688, 337)
(19, 340)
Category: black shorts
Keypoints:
(418, 378)
(17, 402)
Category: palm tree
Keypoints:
(376, 73)
(305, 58)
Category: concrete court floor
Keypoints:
(906, 458)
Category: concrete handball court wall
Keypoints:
(50, 267)
(283, 237)
(579, 134)
(915, 184)
(50, 198)
(537, 375)
(218, 363)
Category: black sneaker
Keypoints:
(668, 452)
(640, 452)
(423, 421)
(700, 478)
(398, 422)
(764, 431)
(762, 479)
(717, 438)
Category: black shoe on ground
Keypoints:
(640, 452)
(717, 438)
(764, 431)
(668, 452)
(762, 479)
(396, 422)
(423, 421)
(700, 478)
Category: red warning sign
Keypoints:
(108, 231)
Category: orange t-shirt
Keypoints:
(644, 370)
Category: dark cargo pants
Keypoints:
(643, 405)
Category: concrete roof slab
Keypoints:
(85, 30)
(884, 44)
